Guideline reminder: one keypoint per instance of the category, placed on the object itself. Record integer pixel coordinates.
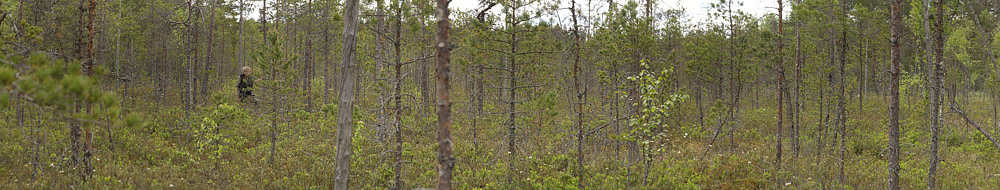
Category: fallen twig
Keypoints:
(967, 119)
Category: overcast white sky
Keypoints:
(697, 10)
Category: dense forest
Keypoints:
(511, 94)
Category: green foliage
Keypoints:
(4, 100)
(142, 142)
(912, 83)
(552, 172)
(208, 134)
(57, 85)
(649, 126)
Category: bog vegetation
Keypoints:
(513, 94)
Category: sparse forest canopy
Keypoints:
(509, 94)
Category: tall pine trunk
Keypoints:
(896, 32)
(798, 85)
(328, 79)
(208, 52)
(240, 56)
(308, 73)
(781, 86)
(842, 98)
(445, 160)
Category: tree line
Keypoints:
(511, 94)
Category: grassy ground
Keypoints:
(170, 152)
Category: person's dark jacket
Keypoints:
(245, 86)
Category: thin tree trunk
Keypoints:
(579, 97)
(328, 62)
(263, 18)
(983, 35)
(798, 84)
(208, 52)
(615, 112)
(936, 81)
(380, 72)
(425, 92)
(75, 129)
(480, 95)
(446, 163)
(736, 82)
(88, 65)
(701, 110)
(996, 110)
(733, 78)
(16, 24)
(861, 71)
(195, 34)
(274, 112)
(397, 96)
(893, 178)
(309, 58)
(822, 120)
(345, 120)
(781, 85)
(511, 68)
(240, 54)
(189, 62)
(841, 105)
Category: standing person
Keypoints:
(245, 87)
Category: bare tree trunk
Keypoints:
(190, 63)
(822, 120)
(862, 69)
(781, 85)
(701, 110)
(328, 83)
(841, 105)
(798, 85)
(263, 18)
(208, 52)
(195, 35)
(512, 111)
(425, 93)
(397, 95)
(511, 88)
(309, 58)
(240, 54)
(380, 74)
(327, 63)
(160, 77)
(936, 82)
(480, 95)
(615, 109)
(16, 24)
(345, 120)
(445, 160)
(75, 130)
(579, 97)
(735, 81)
(88, 65)
(894, 96)
(274, 112)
